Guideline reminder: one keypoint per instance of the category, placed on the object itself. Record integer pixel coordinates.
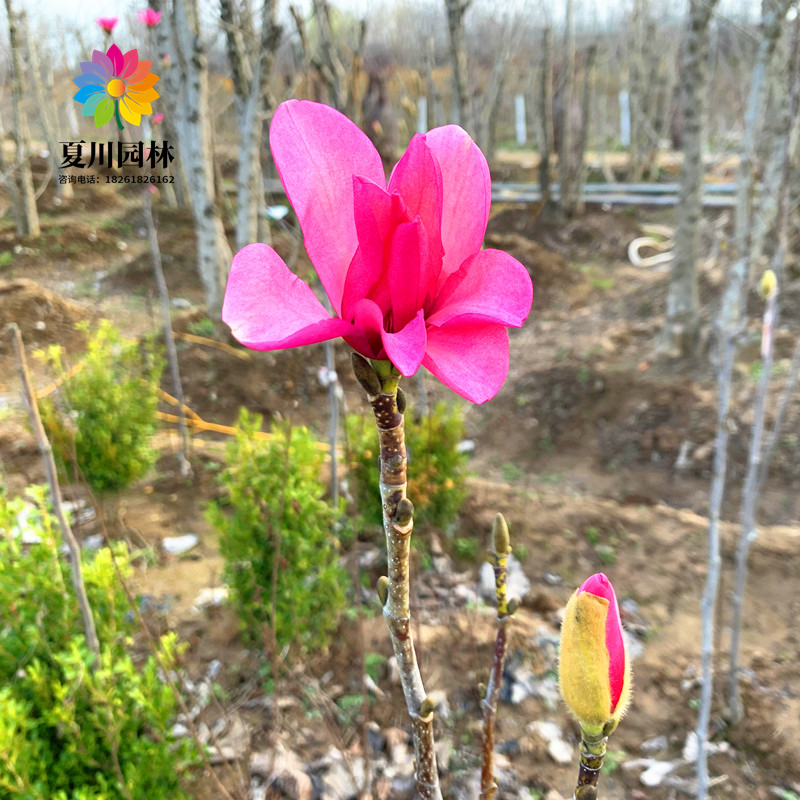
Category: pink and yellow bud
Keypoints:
(594, 669)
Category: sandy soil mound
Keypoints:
(43, 317)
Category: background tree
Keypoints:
(683, 312)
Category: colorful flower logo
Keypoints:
(114, 85)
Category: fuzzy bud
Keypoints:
(404, 513)
(594, 670)
(500, 537)
(768, 284)
(401, 401)
(426, 709)
(383, 589)
(365, 374)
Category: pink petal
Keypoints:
(129, 62)
(418, 180)
(268, 307)
(317, 152)
(372, 214)
(600, 586)
(406, 348)
(115, 54)
(102, 60)
(408, 271)
(470, 358)
(466, 194)
(490, 286)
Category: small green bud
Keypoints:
(404, 513)
(401, 400)
(383, 589)
(481, 690)
(513, 605)
(365, 374)
(426, 709)
(500, 537)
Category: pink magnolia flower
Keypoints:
(107, 23)
(401, 263)
(158, 119)
(149, 17)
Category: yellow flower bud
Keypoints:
(594, 669)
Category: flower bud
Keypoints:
(594, 671)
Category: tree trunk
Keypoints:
(546, 117)
(683, 314)
(28, 218)
(182, 26)
(566, 167)
(170, 83)
(730, 327)
(586, 113)
(458, 59)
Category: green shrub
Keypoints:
(267, 492)
(437, 471)
(68, 731)
(108, 414)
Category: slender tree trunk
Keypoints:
(182, 27)
(546, 117)
(28, 219)
(436, 111)
(586, 114)
(566, 167)
(730, 327)
(64, 191)
(683, 312)
(458, 60)
(331, 67)
(758, 460)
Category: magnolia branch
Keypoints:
(380, 381)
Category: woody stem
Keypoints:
(593, 749)
(398, 522)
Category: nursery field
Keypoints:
(597, 451)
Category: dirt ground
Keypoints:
(597, 451)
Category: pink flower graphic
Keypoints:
(158, 119)
(107, 23)
(401, 263)
(149, 17)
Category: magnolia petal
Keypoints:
(408, 271)
(600, 586)
(466, 194)
(317, 152)
(269, 308)
(470, 358)
(405, 348)
(117, 60)
(102, 60)
(89, 80)
(128, 113)
(82, 95)
(418, 180)
(90, 106)
(104, 111)
(140, 72)
(148, 82)
(490, 286)
(129, 63)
